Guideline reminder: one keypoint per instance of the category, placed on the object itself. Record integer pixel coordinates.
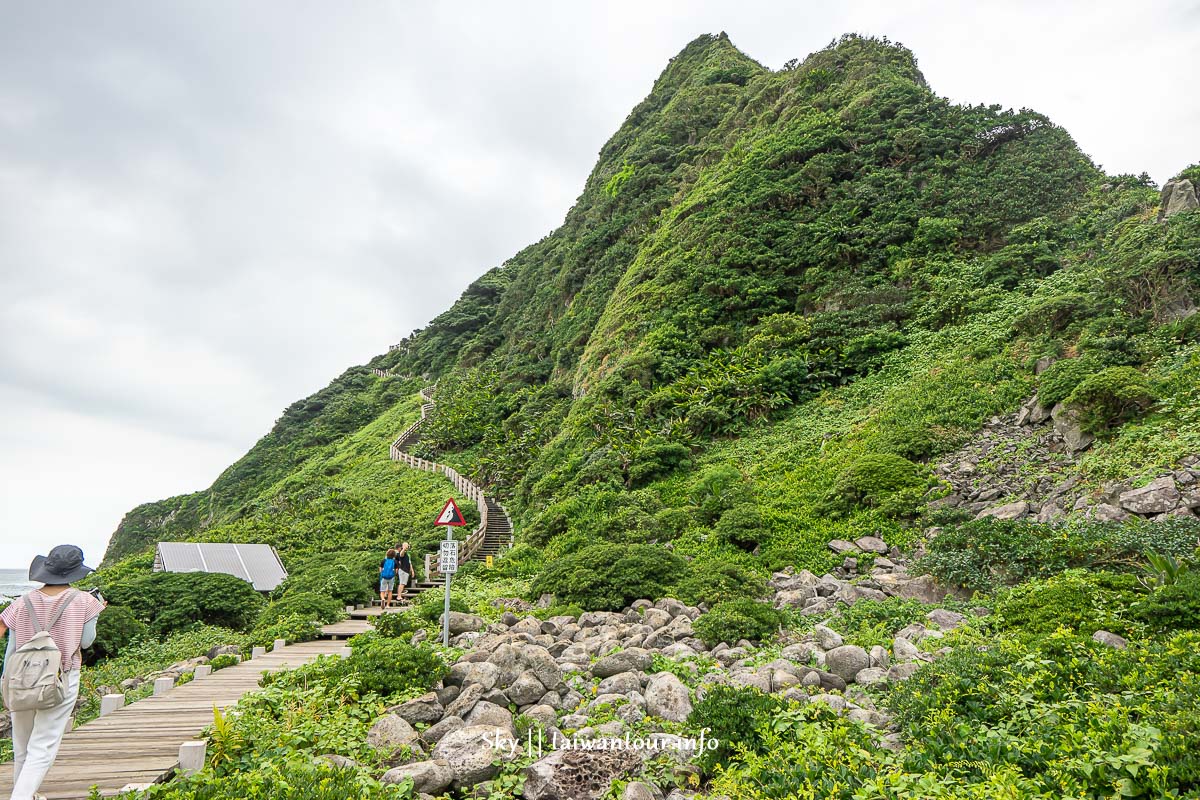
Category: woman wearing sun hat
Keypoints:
(69, 616)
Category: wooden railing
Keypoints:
(464, 485)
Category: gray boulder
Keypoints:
(904, 650)
(390, 732)
(638, 790)
(871, 544)
(847, 661)
(472, 753)
(1157, 497)
(1177, 196)
(870, 675)
(578, 774)
(492, 715)
(1014, 510)
(1066, 425)
(842, 547)
(526, 689)
(635, 659)
(946, 620)
(667, 698)
(827, 638)
(428, 777)
(1110, 639)
(465, 623)
(434, 733)
(425, 708)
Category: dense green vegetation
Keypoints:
(781, 298)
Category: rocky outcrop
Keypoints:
(1024, 466)
(1177, 196)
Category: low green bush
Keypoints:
(430, 605)
(400, 625)
(390, 666)
(1173, 606)
(1080, 601)
(609, 576)
(712, 581)
(1057, 382)
(350, 578)
(116, 627)
(224, 660)
(877, 480)
(738, 619)
(1066, 716)
(309, 605)
(291, 628)
(298, 778)
(1107, 398)
(173, 601)
(741, 526)
(734, 717)
(985, 554)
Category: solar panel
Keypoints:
(257, 564)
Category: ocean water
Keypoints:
(14, 582)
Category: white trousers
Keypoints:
(36, 736)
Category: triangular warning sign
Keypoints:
(451, 515)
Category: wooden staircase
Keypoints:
(494, 533)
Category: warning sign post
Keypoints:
(450, 517)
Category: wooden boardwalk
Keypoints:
(139, 743)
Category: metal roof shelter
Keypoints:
(257, 564)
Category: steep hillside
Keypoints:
(850, 425)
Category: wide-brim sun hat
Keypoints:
(64, 564)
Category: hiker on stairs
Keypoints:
(387, 579)
(404, 571)
(42, 660)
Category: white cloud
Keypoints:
(209, 209)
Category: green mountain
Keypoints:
(779, 273)
(873, 388)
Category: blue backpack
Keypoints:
(389, 569)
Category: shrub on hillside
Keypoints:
(608, 576)
(390, 666)
(349, 578)
(1111, 396)
(309, 605)
(741, 526)
(1080, 601)
(292, 628)
(984, 554)
(116, 627)
(714, 581)
(172, 601)
(877, 480)
(734, 717)
(1061, 378)
(739, 619)
(1173, 606)
(401, 625)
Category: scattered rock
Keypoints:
(847, 661)
(390, 732)
(1014, 510)
(668, 698)
(1110, 639)
(634, 659)
(577, 774)
(946, 620)
(841, 547)
(871, 544)
(1157, 497)
(471, 753)
(429, 777)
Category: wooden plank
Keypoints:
(139, 743)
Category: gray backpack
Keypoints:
(33, 677)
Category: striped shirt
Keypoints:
(67, 634)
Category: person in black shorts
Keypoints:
(404, 570)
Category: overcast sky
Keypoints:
(208, 210)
